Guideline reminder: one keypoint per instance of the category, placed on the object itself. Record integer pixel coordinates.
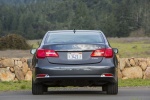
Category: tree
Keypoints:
(32, 18)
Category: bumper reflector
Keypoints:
(107, 75)
(42, 76)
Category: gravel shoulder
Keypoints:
(15, 53)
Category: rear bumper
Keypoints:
(76, 80)
(75, 75)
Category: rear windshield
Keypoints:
(53, 38)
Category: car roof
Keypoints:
(58, 31)
(78, 31)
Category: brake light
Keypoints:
(42, 53)
(98, 53)
(51, 53)
(107, 53)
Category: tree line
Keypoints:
(33, 18)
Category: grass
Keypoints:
(134, 83)
(18, 85)
(131, 47)
(26, 85)
(128, 47)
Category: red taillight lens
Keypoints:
(98, 53)
(51, 53)
(42, 53)
(108, 53)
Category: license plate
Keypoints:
(74, 56)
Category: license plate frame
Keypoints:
(74, 56)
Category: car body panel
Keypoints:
(64, 49)
(63, 72)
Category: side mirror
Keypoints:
(115, 50)
(32, 51)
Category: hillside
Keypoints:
(32, 18)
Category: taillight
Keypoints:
(42, 53)
(107, 53)
(51, 53)
(98, 53)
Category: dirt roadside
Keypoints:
(15, 53)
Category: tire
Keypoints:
(104, 88)
(112, 88)
(37, 89)
(45, 89)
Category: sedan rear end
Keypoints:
(74, 58)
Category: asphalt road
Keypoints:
(140, 93)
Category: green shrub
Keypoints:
(13, 41)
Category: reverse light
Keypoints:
(42, 53)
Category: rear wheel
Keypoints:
(45, 88)
(104, 88)
(37, 89)
(112, 88)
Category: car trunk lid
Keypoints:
(74, 53)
